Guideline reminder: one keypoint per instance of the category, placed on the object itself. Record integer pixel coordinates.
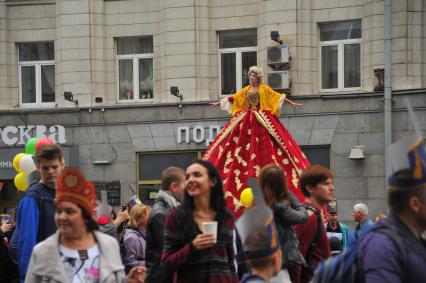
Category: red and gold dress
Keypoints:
(253, 138)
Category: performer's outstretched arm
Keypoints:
(292, 103)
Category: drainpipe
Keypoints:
(388, 83)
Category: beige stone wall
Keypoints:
(186, 43)
(20, 23)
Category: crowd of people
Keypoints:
(166, 243)
(197, 229)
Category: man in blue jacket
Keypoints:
(360, 215)
(36, 212)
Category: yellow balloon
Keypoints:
(246, 197)
(20, 181)
(16, 161)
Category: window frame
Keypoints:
(340, 63)
(135, 60)
(37, 65)
(238, 65)
(156, 182)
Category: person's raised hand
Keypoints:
(297, 105)
(137, 275)
(203, 241)
(6, 227)
(121, 217)
(217, 103)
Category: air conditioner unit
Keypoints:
(279, 54)
(279, 80)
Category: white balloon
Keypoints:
(27, 164)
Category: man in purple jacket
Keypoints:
(401, 257)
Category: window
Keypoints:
(135, 68)
(238, 52)
(340, 47)
(317, 154)
(36, 73)
(152, 165)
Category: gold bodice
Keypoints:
(253, 98)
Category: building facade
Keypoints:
(103, 70)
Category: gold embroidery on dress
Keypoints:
(249, 132)
(235, 139)
(253, 98)
(279, 152)
(238, 183)
(220, 151)
(237, 172)
(257, 168)
(227, 162)
(264, 120)
(253, 156)
(224, 133)
(294, 180)
(285, 161)
(248, 146)
(237, 204)
(240, 160)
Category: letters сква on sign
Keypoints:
(19, 135)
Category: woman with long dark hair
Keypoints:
(192, 255)
(287, 212)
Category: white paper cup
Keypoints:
(210, 228)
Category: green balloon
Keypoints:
(30, 146)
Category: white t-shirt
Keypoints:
(81, 269)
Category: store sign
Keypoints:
(19, 135)
(198, 134)
(7, 172)
(5, 164)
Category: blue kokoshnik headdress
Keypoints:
(257, 219)
(408, 153)
(133, 201)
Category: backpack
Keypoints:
(342, 268)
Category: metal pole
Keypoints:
(388, 82)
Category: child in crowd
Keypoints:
(262, 268)
(260, 239)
